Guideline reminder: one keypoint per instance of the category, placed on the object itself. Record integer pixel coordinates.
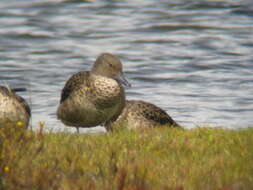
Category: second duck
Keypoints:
(139, 114)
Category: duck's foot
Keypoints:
(77, 130)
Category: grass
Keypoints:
(162, 158)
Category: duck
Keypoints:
(14, 110)
(139, 114)
(91, 98)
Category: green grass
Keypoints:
(164, 158)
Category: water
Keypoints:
(192, 58)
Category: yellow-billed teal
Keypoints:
(139, 114)
(14, 110)
(90, 98)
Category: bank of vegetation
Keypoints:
(162, 158)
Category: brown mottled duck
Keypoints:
(91, 98)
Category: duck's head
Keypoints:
(110, 66)
(7, 90)
(4, 90)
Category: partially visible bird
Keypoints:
(139, 114)
(14, 109)
(91, 98)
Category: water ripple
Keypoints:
(192, 58)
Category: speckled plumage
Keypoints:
(139, 114)
(13, 108)
(90, 98)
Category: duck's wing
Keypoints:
(152, 112)
(76, 81)
(24, 104)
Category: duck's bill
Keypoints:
(19, 89)
(121, 78)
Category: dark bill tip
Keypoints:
(19, 89)
(121, 78)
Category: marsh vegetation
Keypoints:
(162, 158)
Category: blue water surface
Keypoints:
(194, 59)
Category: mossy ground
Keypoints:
(162, 158)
